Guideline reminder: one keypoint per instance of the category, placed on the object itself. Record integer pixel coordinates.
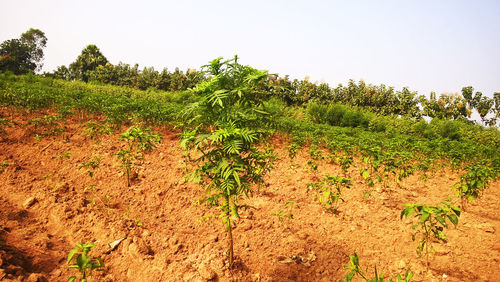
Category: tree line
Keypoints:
(25, 55)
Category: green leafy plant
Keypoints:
(4, 123)
(94, 130)
(285, 214)
(329, 191)
(84, 263)
(91, 165)
(138, 141)
(355, 269)
(3, 166)
(100, 202)
(293, 149)
(431, 221)
(473, 182)
(64, 155)
(224, 130)
(48, 125)
(316, 155)
(345, 162)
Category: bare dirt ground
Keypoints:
(45, 210)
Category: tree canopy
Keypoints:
(25, 54)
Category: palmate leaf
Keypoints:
(233, 146)
(217, 96)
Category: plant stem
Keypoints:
(230, 234)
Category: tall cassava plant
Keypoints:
(224, 130)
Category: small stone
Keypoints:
(401, 264)
(29, 202)
(114, 244)
(206, 272)
(445, 276)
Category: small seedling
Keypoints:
(48, 124)
(345, 163)
(65, 155)
(473, 182)
(84, 263)
(431, 223)
(316, 155)
(91, 165)
(4, 123)
(138, 141)
(95, 130)
(285, 214)
(3, 166)
(329, 190)
(356, 270)
(102, 203)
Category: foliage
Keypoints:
(286, 213)
(94, 130)
(90, 58)
(355, 269)
(432, 220)
(25, 54)
(4, 123)
(223, 128)
(474, 181)
(138, 141)
(84, 263)
(329, 191)
(3, 166)
(48, 125)
(91, 165)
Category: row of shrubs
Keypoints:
(346, 116)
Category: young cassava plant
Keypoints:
(84, 263)
(355, 269)
(138, 141)
(432, 220)
(329, 190)
(223, 131)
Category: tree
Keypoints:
(224, 131)
(25, 54)
(35, 41)
(90, 58)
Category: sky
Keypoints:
(427, 46)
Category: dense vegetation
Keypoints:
(227, 111)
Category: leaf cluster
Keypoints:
(355, 269)
(329, 191)
(84, 263)
(431, 222)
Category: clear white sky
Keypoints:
(425, 45)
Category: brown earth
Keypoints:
(44, 212)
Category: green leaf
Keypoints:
(72, 278)
(453, 218)
(71, 254)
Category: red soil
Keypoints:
(164, 238)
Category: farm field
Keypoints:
(49, 202)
